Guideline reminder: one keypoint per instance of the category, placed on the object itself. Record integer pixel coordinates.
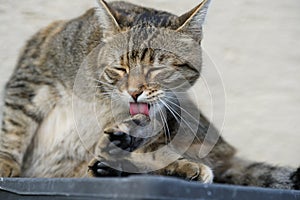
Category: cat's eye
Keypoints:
(115, 72)
(154, 69)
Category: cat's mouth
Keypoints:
(139, 108)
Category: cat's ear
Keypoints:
(107, 19)
(191, 22)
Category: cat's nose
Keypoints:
(135, 94)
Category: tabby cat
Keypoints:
(105, 95)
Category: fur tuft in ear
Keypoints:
(191, 22)
(106, 19)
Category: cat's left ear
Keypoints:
(107, 19)
(191, 22)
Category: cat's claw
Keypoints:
(102, 169)
(120, 142)
(125, 137)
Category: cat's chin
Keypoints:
(139, 108)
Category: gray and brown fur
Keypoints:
(38, 136)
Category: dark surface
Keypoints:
(136, 187)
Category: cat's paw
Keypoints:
(121, 142)
(197, 172)
(191, 171)
(98, 168)
(120, 136)
(206, 174)
(9, 168)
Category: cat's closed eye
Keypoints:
(115, 73)
(154, 71)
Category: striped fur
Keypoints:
(71, 69)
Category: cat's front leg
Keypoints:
(9, 168)
(116, 144)
(188, 170)
(24, 109)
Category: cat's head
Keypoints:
(145, 64)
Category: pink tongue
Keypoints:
(139, 108)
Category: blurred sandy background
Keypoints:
(254, 43)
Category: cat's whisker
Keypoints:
(167, 133)
(161, 118)
(105, 95)
(109, 95)
(117, 99)
(184, 110)
(174, 112)
(176, 118)
(101, 86)
(112, 97)
(98, 81)
(171, 111)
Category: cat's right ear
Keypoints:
(107, 19)
(191, 22)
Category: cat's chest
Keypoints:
(72, 126)
(67, 135)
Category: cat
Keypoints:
(103, 95)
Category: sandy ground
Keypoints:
(254, 44)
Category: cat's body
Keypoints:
(48, 129)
